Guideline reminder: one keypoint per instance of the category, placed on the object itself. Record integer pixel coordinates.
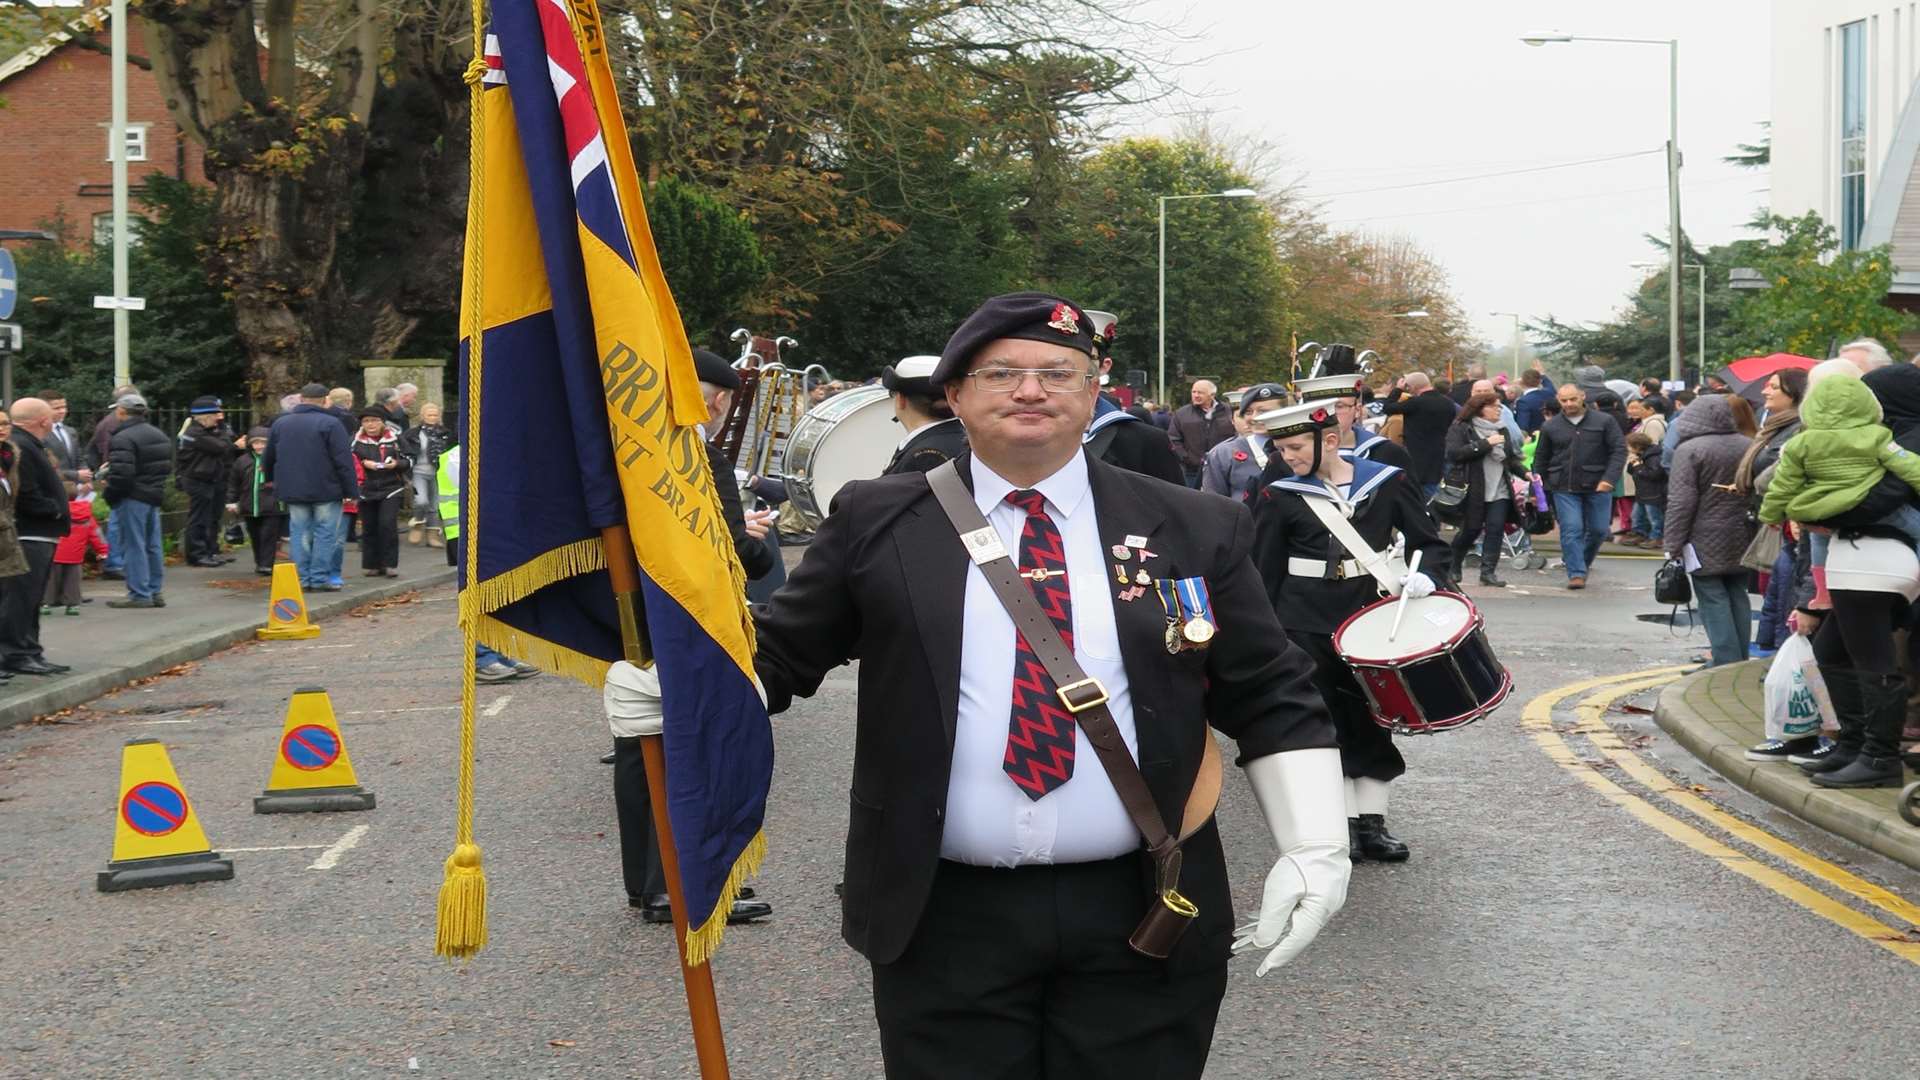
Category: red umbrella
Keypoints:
(1748, 377)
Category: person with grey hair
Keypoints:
(41, 518)
(139, 463)
(1427, 414)
(1198, 427)
(1865, 354)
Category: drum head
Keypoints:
(850, 436)
(1431, 623)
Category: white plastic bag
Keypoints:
(1793, 691)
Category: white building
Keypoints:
(1846, 127)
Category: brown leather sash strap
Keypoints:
(1083, 697)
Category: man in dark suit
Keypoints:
(63, 443)
(40, 518)
(1426, 412)
(645, 877)
(993, 876)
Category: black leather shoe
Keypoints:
(1492, 581)
(35, 667)
(607, 758)
(1374, 842)
(206, 564)
(655, 909)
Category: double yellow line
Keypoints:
(1537, 719)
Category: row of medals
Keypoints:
(1190, 632)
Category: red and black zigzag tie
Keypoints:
(1040, 732)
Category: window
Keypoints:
(1853, 133)
(103, 229)
(136, 142)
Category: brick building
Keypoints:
(54, 132)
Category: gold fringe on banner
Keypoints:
(705, 939)
(569, 560)
(540, 652)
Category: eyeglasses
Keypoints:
(1005, 380)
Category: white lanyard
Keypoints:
(1259, 455)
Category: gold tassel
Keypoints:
(541, 653)
(461, 930)
(704, 941)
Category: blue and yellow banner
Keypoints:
(587, 406)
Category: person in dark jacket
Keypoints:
(40, 518)
(250, 495)
(1707, 526)
(139, 461)
(386, 467)
(1481, 457)
(1136, 445)
(340, 407)
(1536, 390)
(424, 444)
(934, 436)
(1648, 467)
(309, 459)
(98, 444)
(1426, 414)
(204, 457)
(1197, 427)
(1578, 457)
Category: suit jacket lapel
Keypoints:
(935, 569)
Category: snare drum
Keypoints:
(1437, 673)
(850, 436)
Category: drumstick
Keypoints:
(1413, 567)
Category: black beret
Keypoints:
(1260, 392)
(712, 369)
(365, 411)
(1028, 316)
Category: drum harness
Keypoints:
(1333, 513)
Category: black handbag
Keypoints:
(1671, 584)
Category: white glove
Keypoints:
(632, 700)
(1300, 794)
(1417, 585)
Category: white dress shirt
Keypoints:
(990, 821)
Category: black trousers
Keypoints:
(1025, 974)
(1366, 749)
(1858, 632)
(639, 840)
(263, 533)
(204, 505)
(20, 597)
(1493, 527)
(379, 533)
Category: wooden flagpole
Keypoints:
(703, 1009)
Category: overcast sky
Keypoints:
(1368, 94)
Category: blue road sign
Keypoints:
(310, 747)
(9, 284)
(154, 808)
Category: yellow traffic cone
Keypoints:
(311, 772)
(157, 840)
(286, 608)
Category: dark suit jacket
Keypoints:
(1427, 415)
(1143, 448)
(885, 581)
(756, 558)
(67, 457)
(931, 447)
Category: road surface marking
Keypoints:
(340, 847)
(1537, 720)
(1592, 724)
(495, 708)
(277, 847)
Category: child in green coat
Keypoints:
(1841, 452)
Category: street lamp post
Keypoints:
(1515, 316)
(1230, 193)
(1702, 268)
(1673, 173)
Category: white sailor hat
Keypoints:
(1328, 387)
(1105, 326)
(1301, 419)
(1233, 396)
(912, 376)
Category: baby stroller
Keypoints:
(1516, 542)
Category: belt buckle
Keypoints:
(1065, 695)
(1340, 570)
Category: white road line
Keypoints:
(495, 708)
(340, 847)
(281, 847)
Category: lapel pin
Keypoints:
(1121, 553)
(1136, 541)
(1143, 578)
(1120, 574)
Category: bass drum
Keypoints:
(850, 436)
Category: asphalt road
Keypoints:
(1540, 930)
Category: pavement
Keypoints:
(207, 610)
(1719, 712)
(1553, 922)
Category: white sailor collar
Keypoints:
(1368, 475)
(1065, 490)
(1363, 441)
(1105, 415)
(922, 430)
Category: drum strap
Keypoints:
(1259, 455)
(1080, 695)
(1377, 564)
